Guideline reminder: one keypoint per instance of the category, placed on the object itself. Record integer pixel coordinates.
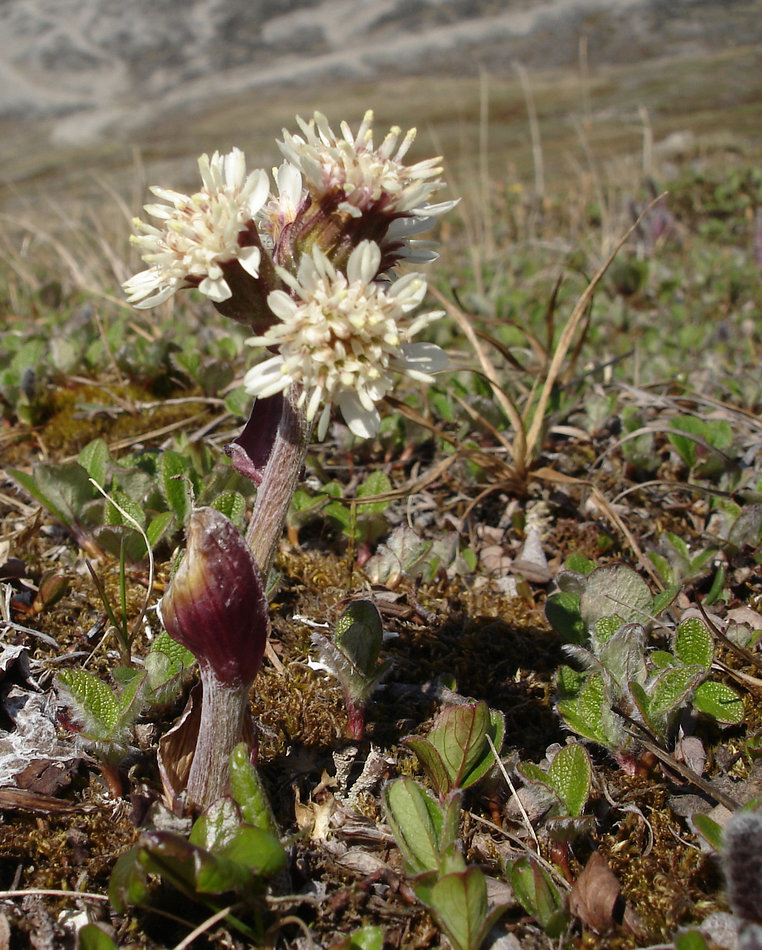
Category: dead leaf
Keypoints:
(178, 746)
(315, 816)
(21, 799)
(596, 898)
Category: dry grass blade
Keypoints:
(567, 336)
(518, 448)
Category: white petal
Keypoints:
(266, 378)
(260, 193)
(215, 290)
(421, 360)
(364, 262)
(408, 291)
(249, 258)
(235, 168)
(325, 418)
(361, 422)
(283, 306)
(289, 181)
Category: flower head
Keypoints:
(282, 210)
(363, 178)
(201, 236)
(341, 337)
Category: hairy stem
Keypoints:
(223, 712)
(279, 482)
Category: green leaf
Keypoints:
(691, 940)
(157, 527)
(615, 589)
(694, 645)
(583, 713)
(256, 850)
(366, 938)
(571, 775)
(359, 634)
(665, 598)
(63, 489)
(177, 653)
(671, 688)
(455, 754)
(579, 563)
(115, 517)
(91, 937)
(172, 469)
(537, 894)
(709, 829)
(424, 830)
(247, 789)
(128, 884)
(94, 458)
(215, 826)
(232, 504)
(605, 628)
(190, 868)
(746, 530)
(377, 483)
(718, 700)
(662, 565)
(459, 903)
(94, 699)
(562, 611)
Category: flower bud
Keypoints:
(216, 604)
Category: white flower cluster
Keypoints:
(340, 338)
(199, 233)
(339, 332)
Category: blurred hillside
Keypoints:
(104, 67)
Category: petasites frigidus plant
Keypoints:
(216, 607)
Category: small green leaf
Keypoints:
(459, 903)
(579, 563)
(190, 868)
(424, 830)
(693, 643)
(94, 458)
(115, 517)
(718, 700)
(172, 469)
(94, 699)
(665, 598)
(606, 627)
(128, 883)
(455, 754)
(359, 634)
(709, 829)
(247, 789)
(232, 504)
(562, 611)
(615, 589)
(537, 894)
(671, 688)
(157, 527)
(571, 775)
(216, 825)
(91, 937)
(691, 940)
(377, 483)
(255, 849)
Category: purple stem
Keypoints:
(280, 479)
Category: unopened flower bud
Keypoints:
(216, 604)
